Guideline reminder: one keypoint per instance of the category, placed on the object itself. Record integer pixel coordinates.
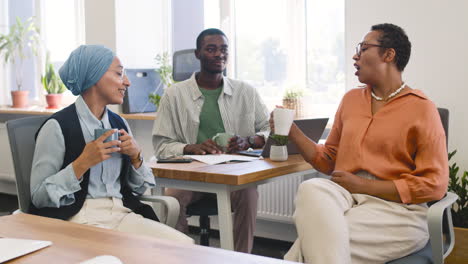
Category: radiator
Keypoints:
(276, 199)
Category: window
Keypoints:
(143, 30)
(281, 45)
(62, 31)
(4, 91)
(62, 27)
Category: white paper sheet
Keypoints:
(220, 158)
(105, 259)
(11, 248)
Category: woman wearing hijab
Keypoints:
(77, 178)
(387, 157)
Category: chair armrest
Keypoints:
(170, 203)
(435, 223)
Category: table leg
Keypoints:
(225, 218)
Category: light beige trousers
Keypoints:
(111, 214)
(244, 205)
(335, 226)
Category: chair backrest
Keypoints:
(447, 227)
(184, 63)
(444, 117)
(21, 134)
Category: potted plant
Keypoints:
(459, 186)
(16, 46)
(279, 150)
(53, 85)
(165, 72)
(292, 99)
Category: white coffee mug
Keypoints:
(283, 119)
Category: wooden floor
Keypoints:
(459, 254)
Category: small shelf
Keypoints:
(41, 110)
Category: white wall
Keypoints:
(438, 32)
(100, 23)
(140, 25)
(187, 23)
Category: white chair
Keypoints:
(439, 221)
(21, 133)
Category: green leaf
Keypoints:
(155, 99)
(50, 81)
(459, 186)
(279, 140)
(22, 36)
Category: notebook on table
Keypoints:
(312, 128)
(11, 248)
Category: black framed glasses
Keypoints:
(360, 46)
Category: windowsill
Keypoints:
(41, 110)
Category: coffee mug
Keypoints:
(98, 132)
(222, 140)
(283, 119)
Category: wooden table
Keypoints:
(74, 243)
(222, 179)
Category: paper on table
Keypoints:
(104, 259)
(11, 248)
(220, 158)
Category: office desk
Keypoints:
(74, 243)
(222, 179)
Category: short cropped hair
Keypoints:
(395, 37)
(208, 32)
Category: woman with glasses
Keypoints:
(76, 174)
(386, 154)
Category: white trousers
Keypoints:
(111, 214)
(335, 226)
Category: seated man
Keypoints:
(193, 111)
(81, 179)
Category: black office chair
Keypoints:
(439, 218)
(204, 208)
(184, 64)
(22, 144)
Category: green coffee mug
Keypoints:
(222, 140)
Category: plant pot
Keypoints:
(278, 153)
(19, 98)
(53, 101)
(459, 253)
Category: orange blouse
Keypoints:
(403, 142)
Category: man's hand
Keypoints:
(95, 152)
(349, 181)
(237, 143)
(207, 147)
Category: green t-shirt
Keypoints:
(211, 121)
